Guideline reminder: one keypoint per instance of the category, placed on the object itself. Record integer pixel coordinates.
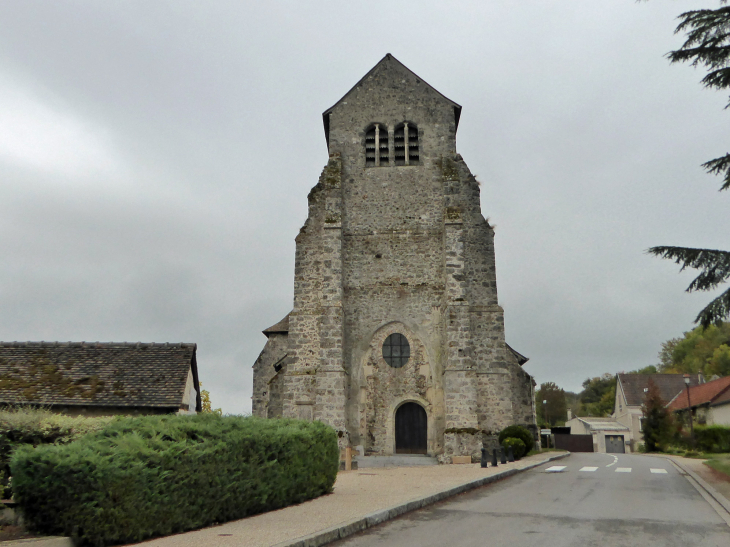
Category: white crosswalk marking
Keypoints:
(589, 469)
(555, 469)
(623, 470)
(658, 470)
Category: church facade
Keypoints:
(396, 338)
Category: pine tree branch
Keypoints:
(715, 311)
(715, 266)
(699, 259)
(718, 166)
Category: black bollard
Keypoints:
(504, 456)
(494, 458)
(510, 454)
(484, 457)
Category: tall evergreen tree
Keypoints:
(658, 422)
(708, 45)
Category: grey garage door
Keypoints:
(615, 444)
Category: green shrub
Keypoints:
(518, 432)
(35, 426)
(712, 438)
(518, 447)
(159, 475)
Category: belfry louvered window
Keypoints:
(377, 153)
(405, 144)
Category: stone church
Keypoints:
(396, 338)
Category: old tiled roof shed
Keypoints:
(704, 394)
(111, 377)
(669, 386)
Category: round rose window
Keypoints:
(396, 350)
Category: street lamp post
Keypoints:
(689, 409)
(544, 415)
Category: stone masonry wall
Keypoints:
(399, 248)
(264, 372)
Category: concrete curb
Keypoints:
(373, 519)
(51, 541)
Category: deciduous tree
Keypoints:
(598, 396)
(555, 408)
(699, 350)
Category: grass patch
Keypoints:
(720, 463)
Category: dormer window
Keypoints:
(377, 153)
(405, 144)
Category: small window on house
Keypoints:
(396, 350)
(377, 152)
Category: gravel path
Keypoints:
(356, 494)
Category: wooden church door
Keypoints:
(411, 425)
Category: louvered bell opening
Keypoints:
(370, 148)
(413, 156)
(399, 146)
(384, 152)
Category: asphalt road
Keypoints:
(598, 499)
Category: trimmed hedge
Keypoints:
(160, 475)
(518, 447)
(712, 438)
(35, 426)
(518, 432)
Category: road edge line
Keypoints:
(341, 531)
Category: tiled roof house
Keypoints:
(100, 378)
(710, 402)
(630, 392)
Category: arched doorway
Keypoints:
(411, 429)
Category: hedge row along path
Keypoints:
(357, 494)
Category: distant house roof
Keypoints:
(521, 359)
(669, 386)
(280, 328)
(603, 424)
(702, 394)
(97, 374)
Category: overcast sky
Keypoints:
(156, 159)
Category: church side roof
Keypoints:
(521, 359)
(281, 327)
(388, 58)
(96, 374)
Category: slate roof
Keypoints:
(280, 328)
(96, 374)
(669, 386)
(521, 359)
(603, 424)
(702, 394)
